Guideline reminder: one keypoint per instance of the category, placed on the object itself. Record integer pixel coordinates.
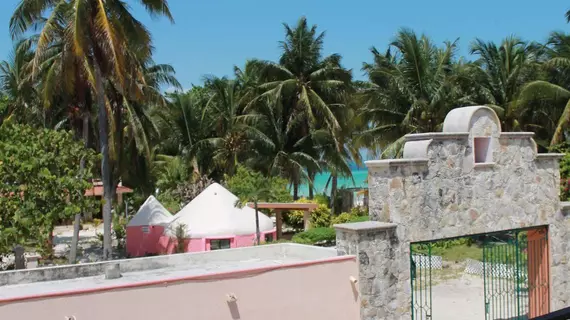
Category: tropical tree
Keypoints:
(16, 87)
(304, 90)
(30, 160)
(546, 103)
(502, 71)
(102, 35)
(223, 115)
(253, 187)
(412, 88)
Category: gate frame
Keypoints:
(531, 311)
(437, 191)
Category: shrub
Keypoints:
(359, 219)
(355, 215)
(359, 211)
(180, 233)
(344, 217)
(246, 179)
(322, 199)
(320, 236)
(320, 217)
(120, 230)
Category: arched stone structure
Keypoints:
(443, 189)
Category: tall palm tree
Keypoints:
(412, 88)
(306, 88)
(546, 103)
(502, 71)
(232, 128)
(100, 34)
(16, 84)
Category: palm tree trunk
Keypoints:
(77, 220)
(257, 232)
(334, 186)
(311, 185)
(105, 162)
(295, 190)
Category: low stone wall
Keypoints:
(275, 251)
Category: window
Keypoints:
(220, 244)
(268, 237)
(145, 229)
(482, 150)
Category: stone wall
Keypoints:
(375, 246)
(441, 193)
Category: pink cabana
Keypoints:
(146, 227)
(215, 220)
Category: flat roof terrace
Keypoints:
(84, 278)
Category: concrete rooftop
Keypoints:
(66, 279)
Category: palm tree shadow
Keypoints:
(234, 311)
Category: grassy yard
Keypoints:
(459, 253)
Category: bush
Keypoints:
(355, 215)
(344, 217)
(320, 236)
(359, 219)
(320, 217)
(245, 181)
(180, 233)
(359, 211)
(120, 230)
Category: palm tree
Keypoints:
(411, 89)
(277, 151)
(16, 85)
(100, 34)
(546, 103)
(305, 90)
(224, 117)
(502, 71)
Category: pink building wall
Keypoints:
(316, 290)
(139, 244)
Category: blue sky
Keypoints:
(210, 37)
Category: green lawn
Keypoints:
(455, 253)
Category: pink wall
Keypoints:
(317, 290)
(139, 243)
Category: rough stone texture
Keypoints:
(376, 250)
(452, 196)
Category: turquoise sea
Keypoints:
(360, 177)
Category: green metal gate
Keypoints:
(505, 276)
(514, 269)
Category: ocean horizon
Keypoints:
(359, 180)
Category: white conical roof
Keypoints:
(214, 212)
(151, 213)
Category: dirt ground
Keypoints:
(460, 298)
(457, 295)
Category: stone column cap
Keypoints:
(365, 226)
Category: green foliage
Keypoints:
(564, 170)
(322, 199)
(120, 230)
(169, 201)
(321, 236)
(342, 218)
(320, 217)
(356, 214)
(359, 211)
(180, 233)
(360, 219)
(245, 183)
(40, 183)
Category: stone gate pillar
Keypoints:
(375, 245)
